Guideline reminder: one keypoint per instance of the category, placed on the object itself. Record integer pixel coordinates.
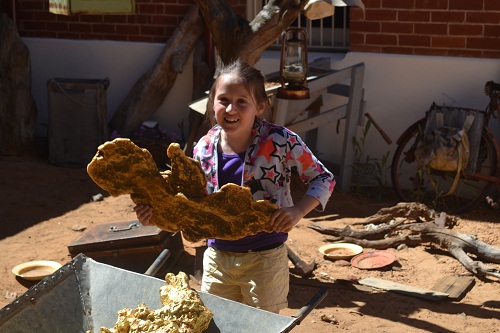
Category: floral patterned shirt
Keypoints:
(269, 161)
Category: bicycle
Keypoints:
(432, 188)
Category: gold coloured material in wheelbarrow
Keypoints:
(85, 295)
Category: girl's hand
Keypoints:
(284, 219)
(144, 214)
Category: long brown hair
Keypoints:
(250, 77)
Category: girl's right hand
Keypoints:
(144, 214)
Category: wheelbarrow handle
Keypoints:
(160, 260)
(313, 302)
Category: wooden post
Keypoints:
(353, 115)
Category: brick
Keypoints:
(44, 16)
(365, 26)
(448, 17)
(356, 14)
(68, 35)
(465, 53)
(397, 28)
(414, 40)
(381, 39)
(491, 5)
(127, 30)
(430, 51)
(139, 38)
(491, 54)
(492, 31)
(80, 27)
(483, 17)
(57, 26)
(366, 48)
(381, 15)
(414, 16)
(179, 10)
(356, 38)
(483, 43)
(103, 29)
(431, 29)
(431, 4)
(32, 5)
(114, 19)
(139, 19)
(34, 25)
(151, 9)
(466, 29)
(448, 42)
(465, 5)
(397, 50)
(152, 30)
(44, 34)
(372, 3)
(407, 4)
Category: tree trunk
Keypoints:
(150, 90)
(17, 106)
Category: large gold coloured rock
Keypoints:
(178, 196)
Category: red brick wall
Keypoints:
(457, 28)
(154, 21)
(462, 28)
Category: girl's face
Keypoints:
(234, 106)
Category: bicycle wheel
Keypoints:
(414, 185)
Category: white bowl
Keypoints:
(340, 250)
(36, 270)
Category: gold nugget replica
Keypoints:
(182, 311)
(178, 196)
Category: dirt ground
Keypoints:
(44, 208)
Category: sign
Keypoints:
(94, 7)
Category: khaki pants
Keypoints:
(259, 279)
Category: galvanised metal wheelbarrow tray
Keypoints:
(85, 295)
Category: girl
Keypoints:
(243, 149)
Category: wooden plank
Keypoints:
(399, 288)
(322, 119)
(455, 286)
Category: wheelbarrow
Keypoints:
(84, 295)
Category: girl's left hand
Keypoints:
(284, 219)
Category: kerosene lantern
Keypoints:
(293, 68)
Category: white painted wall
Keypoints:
(398, 88)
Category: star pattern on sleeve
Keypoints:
(292, 140)
(270, 173)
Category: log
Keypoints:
(459, 245)
(17, 106)
(377, 233)
(407, 210)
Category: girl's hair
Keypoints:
(250, 77)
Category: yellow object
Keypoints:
(95, 7)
